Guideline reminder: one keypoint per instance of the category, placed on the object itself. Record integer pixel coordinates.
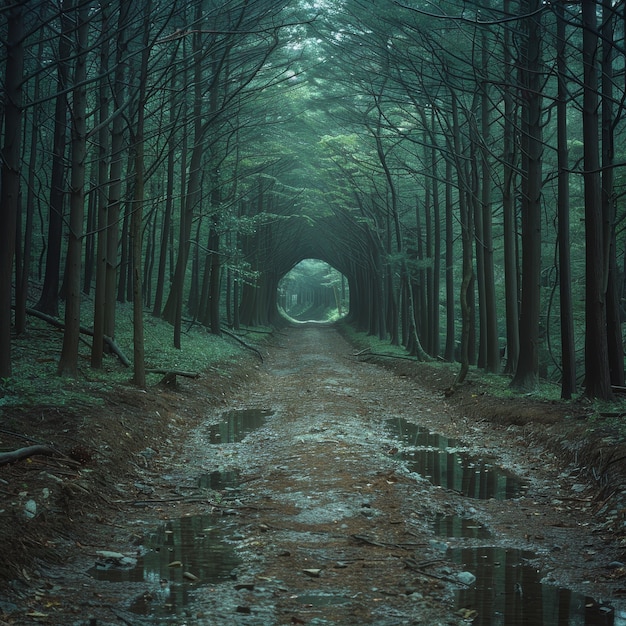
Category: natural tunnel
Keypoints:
(340, 241)
(313, 291)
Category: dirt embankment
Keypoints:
(326, 520)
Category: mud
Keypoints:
(299, 502)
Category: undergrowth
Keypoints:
(35, 357)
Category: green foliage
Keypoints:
(35, 382)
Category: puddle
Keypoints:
(235, 425)
(439, 460)
(218, 481)
(459, 527)
(508, 590)
(419, 437)
(198, 542)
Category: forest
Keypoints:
(457, 167)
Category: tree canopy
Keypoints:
(461, 166)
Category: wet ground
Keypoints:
(331, 491)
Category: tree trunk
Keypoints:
(597, 372)
(68, 363)
(510, 125)
(139, 365)
(97, 346)
(568, 354)
(436, 242)
(526, 374)
(613, 322)
(173, 310)
(10, 173)
(115, 171)
(24, 254)
(49, 300)
(492, 348)
(450, 349)
(169, 204)
(467, 236)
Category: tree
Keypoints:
(68, 362)
(597, 371)
(10, 173)
(530, 79)
(48, 302)
(568, 355)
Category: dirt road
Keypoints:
(331, 491)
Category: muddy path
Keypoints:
(331, 491)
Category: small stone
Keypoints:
(466, 578)
(30, 509)
(313, 573)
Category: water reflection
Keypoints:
(508, 591)
(218, 481)
(438, 459)
(459, 527)
(184, 552)
(235, 425)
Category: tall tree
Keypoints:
(597, 371)
(10, 173)
(530, 88)
(509, 219)
(97, 345)
(609, 200)
(568, 355)
(139, 366)
(68, 362)
(49, 299)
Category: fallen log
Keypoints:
(167, 372)
(243, 343)
(13, 456)
(85, 331)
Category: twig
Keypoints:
(13, 456)
(414, 565)
(243, 343)
(85, 331)
(166, 372)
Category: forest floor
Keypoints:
(322, 486)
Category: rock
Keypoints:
(313, 573)
(30, 509)
(110, 559)
(466, 578)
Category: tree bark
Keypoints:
(10, 173)
(99, 303)
(568, 354)
(527, 372)
(613, 322)
(597, 372)
(139, 365)
(115, 171)
(68, 363)
(510, 124)
(492, 348)
(49, 300)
